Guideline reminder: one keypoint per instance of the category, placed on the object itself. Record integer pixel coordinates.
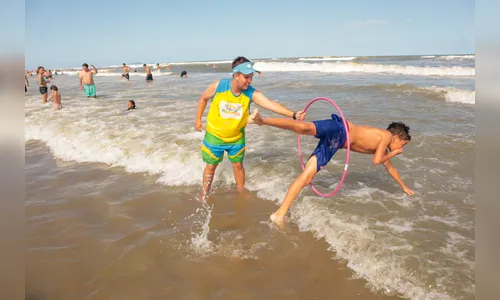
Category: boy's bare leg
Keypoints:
(208, 177)
(239, 176)
(294, 190)
(299, 127)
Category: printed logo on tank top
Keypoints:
(230, 110)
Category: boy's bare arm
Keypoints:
(381, 155)
(395, 175)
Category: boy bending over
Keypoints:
(383, 144)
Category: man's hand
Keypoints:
(408, 191)
(198, 125)
(81, 87)
(300, 115)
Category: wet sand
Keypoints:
(96, 232)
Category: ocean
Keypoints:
(111, 210)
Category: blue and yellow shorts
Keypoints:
(213, 148)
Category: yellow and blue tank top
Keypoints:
(228, 113)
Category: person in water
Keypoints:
(149, 75)
(125, 72)
(184, 74)
(42, 82)
(227, 119)
(87, 80)
(131, 104)
(383, 144)
(56, 97)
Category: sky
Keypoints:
(61, 33)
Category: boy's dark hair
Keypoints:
(401, 130)
(238, 61)
(123, 64)
(144, 65)
(85, 65)
(53, 88)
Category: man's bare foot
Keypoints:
(278, 220)
(255, 118)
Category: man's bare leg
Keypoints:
(239, 176)
(208, 177)
(294, 190)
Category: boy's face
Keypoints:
(397, 143)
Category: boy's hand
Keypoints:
(408, 191)
(198, 125)
(255, 118)
(397, 151)
(300, 115)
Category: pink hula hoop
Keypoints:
(348, 147)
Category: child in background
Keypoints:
(56, 96)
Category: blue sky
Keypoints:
(61, 33)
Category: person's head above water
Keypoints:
(242, 72)
(400, 135)
(131, 104)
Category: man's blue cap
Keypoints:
(244, 68)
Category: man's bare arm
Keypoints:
(202, 103)
(95, 69)
(261, 100)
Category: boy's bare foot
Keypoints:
(255, 118)
(278, 220)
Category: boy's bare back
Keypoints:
(366, 139)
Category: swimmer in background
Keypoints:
(149, 75)
(158, 67)
(131, 105)
(125, 72)
(56, 97)
(184, 74)
(42, 82)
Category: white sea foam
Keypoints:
(203, 62)
(327, 58)
(452, 94)
(343, 67)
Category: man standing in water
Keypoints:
(226, 121)
(149, 75)
(87, 80)
(125, 72)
